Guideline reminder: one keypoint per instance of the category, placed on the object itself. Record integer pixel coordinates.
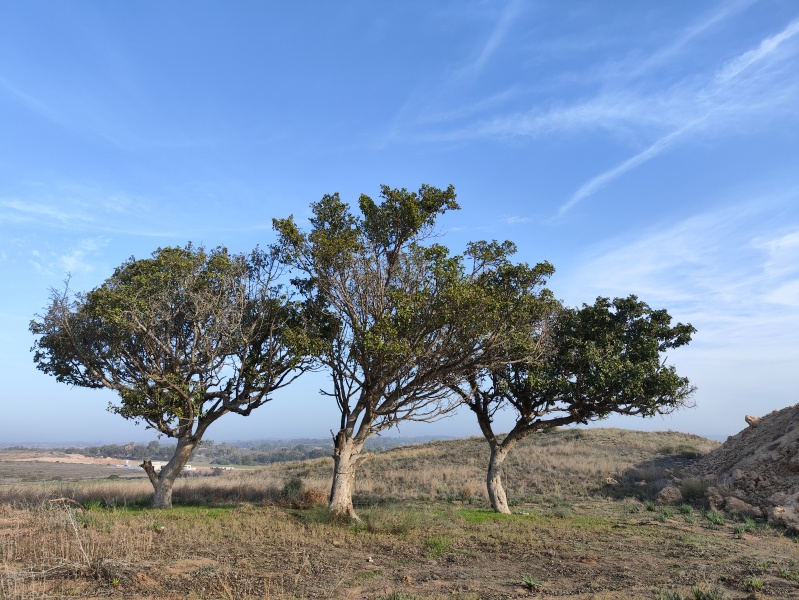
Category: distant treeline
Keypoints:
(260, 452)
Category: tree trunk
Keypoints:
(346, 459)
(163, 481)
(496, 491)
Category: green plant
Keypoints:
(763, 565)
(686, 509)
(393, 520)
(694, 489)
(707, 592)
(669, 596)
(292, 490)
(715, 517)
(562, 512)
(650, 506)
(530, 582)
(438, 545)
(753, 584)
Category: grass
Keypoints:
(265, 533)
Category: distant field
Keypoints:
(28, 471)
(426, 530)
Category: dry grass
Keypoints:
(436, 541)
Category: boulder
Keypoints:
(752, 421)
(670, 495)
(784, 515)
(736, 506)
(786, 512)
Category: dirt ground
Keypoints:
(567, 543)
(600, 550)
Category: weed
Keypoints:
(481, 515)
(438, 545)
(670, 596)
(292, 491)
(650, 506)
(686, 509)
(391, 520)
(708, 592)
(763, 565)
(753, 584)
(715, 517)
(694, 489)
(562, 512)
(530, 583)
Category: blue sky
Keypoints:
(647, 148)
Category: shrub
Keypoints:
(694, 489)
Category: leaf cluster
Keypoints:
(183, 337)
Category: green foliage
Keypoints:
(708, 592)
(752, 584)
(182, 337)
(292, 490)
(438, 545)
(530, 583)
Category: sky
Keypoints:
(641, 148)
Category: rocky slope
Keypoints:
(757, 470)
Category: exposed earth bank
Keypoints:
(756, 472)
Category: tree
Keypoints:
(183, 337)
(572, 366)
(391, 308)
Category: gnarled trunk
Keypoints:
(164, 480)
(347, 459)
(496, 491)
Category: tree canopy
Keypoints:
(395, 308)
(573, 365)
(183, 337)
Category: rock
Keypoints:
(752, 421)
(670, 495)
(714, 498)
(737, 506)
(787, 515)
(778, 498)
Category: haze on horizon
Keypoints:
(640, 148)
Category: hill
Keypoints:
(585, 526)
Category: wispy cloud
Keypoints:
(719, 268)
(495, 39)
(767, 46)
(592, 186)
(75, 260)
(16, 211)
(722, 99)
(732, 275)
(515, 220)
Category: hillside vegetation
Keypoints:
(584, 526)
